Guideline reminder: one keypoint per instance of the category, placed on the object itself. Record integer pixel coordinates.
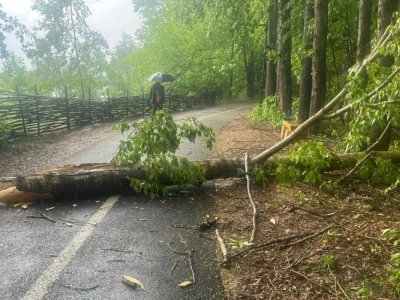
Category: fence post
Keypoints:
(90, 112)
(37, 110)
(21, 110)
(67, 108)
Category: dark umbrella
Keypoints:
(161, 77)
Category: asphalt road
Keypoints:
(94, 242)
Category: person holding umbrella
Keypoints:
(157, 92)
(157, 96)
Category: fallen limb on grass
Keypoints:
(286, 241)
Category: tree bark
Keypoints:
(284, 57)
(364, 29)
(318, 94)
(250, 72)
(306, 62)
(386, 8)
(94, 179)
(270, 85)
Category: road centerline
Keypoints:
(51, 274)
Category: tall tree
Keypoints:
(270, 85)
(10, 24)
(284, 75)
(364, 29)
(380, 138)
(318, 93)
(306, 62)
(69, 50)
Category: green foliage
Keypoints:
(308, 160)
(4, 132)
(324, 262)
(392, 235)
(238, 244)
(376, 250)
(261, 174)
(394, 271)
(151, 146)
(380, 172)
(365, 291)
(267, 111)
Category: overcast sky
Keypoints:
(109, 17)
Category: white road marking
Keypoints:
(41, 286)
(222, 112)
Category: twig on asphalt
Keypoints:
(42, 216)
(79, 288)
(189, 253)
(175, 251)
(173, 268)
(117, 250)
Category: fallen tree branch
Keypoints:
(308, 237)
(382, 85)
(318, 116)
(294, 208)
(369, 153)
(253, 204)
(91, 179)
(355, 167)
(302, 237)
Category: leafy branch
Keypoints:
(151, 145)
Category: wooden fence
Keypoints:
(34, 115)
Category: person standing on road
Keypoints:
(157, 96)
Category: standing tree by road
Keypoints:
(68, 52)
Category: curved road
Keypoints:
(94, 242)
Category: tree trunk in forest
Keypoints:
(364, 29)
(284, 57)
(250, 73)
(386, 8)
(306, 62)
(318, 94)
(94, 179)
(270, 85)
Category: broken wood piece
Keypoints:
(133, 282)
(12, 195)
(222, 246)
(185, 283)
(253, 204)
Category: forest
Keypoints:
(287, 54)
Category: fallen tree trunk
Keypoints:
(89, 179)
